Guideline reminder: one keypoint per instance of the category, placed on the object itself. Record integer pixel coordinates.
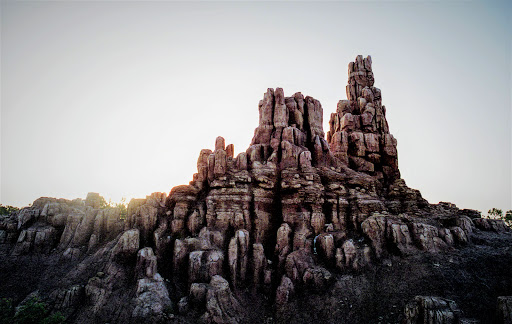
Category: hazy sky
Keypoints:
(120, 97)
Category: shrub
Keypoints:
(6, 311)
(7, 210)
(33, 311)
(55, 318)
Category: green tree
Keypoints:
(7, 210)
(495, 213)
(6, 311)
(33, 311)
(103, 203)
(508, 218)
(55, 318)
(123, 208)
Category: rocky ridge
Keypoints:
(294, 212)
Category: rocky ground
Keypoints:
(301, 227)
(473, 276)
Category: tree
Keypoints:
(103, 203)
(495, 213)
(7, 210)
(508, 218)
(33, 311)
(6, 310)
(122, 208)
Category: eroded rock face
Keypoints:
(504, 310)
(288, 215)
(152, 299)
(427, 309)
(221, 305)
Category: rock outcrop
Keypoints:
(288, 215)
(426, 309)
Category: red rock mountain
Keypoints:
(253, 236)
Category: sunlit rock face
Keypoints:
(288, 215)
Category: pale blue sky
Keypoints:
(119, 97)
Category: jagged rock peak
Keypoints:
(288, 126)
(290, 134)
(359, 133)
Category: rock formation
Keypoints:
(290, 214)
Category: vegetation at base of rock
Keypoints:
(7, 210)
(495, 213)
(6, 311)
(33, 311)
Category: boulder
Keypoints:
(221, 305)
(428, 309)
(127, 245)
(146, 264)
(504, 310)
(238, 255)
(152, 300)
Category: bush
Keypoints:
(55, 318)
(7, 210)
(508, 218)
(6, 311)
(33, 311)
(496, 213)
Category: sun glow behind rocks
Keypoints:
(123, 109)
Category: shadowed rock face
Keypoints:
(290, 214)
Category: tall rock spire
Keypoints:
(359, 133)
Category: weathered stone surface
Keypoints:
(146, 263)
(361, 164)
(220, 143)
(27, 215)
(459, 235)
(127, 244)
(66, 298)
(375, 228)
(238, 253)
(504, 310)
(259, 263)
(152, 299)
(427, 309)
(486, 224)
(37, 239)
(284, 292)
(284, 243)
(326, 246)
(371, 142)
(203, 265)
(221, 305)
(427, 236)
(317, 278)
